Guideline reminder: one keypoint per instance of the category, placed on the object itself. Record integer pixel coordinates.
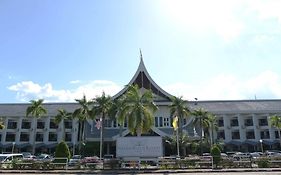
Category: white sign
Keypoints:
(139, 147)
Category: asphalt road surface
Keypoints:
(206, 173)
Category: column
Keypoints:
(19, 123)
(271, 129)
(4, 132)
(242, 130)
(256, 126)
(227, 128)
(46, 130)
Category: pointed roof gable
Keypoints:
(143, 80)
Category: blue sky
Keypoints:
(211, 50)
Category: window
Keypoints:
(68, 137)
(184, 121)
(114, 122)
(235, 135)
(24, 137)
(276, 135)
(39, 137)
(250, 134)
(263, 122)
(12, 124)
(156, 121)
(40, 124)
(10, 137)
(160, 121)
(265, 134)
(166, 121)
(107, 123)
(68, 124)
(52, 137)
(248, 122)
(26, 124)
(234, 122)
(53, 125)
(220, 122)
(220, 135)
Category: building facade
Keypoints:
(242, 124)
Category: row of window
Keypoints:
(158, 122)
(25, 137)
(249, 134)
(247, 122)
(26, 124)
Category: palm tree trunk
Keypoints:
(121, 129)
(102, 131)
(138, 132)
(34, 136)
(212, 135)
(201, 137)
(279, 131)
(63, 131)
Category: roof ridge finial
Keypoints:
(141, 56)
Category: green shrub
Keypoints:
(62, 150)
(216, 153)
(263, 163)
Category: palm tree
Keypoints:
(275, 121)
(201, 119)
(178, 108)
(36, 110)
(2, 126)
(184, 142)
(82, 114)
(102, 106)
(213, 125)
(60, 117)
(117, 107)
(138, 111)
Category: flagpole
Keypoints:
(176, 128)
(178, 145)
(100, 138)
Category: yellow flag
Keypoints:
(175, 123)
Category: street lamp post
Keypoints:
(261, 145)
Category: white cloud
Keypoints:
(266, 85)
(74, 81)
(201, 16)
(28, 90)
(269, 9)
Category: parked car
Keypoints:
(241, 156)
(93, 159)
(44, 157)
(9, 157)
(75, 160)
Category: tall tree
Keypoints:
(2, 125)
(212, 125)
(139, 110)
(61, 116)
(179, 108)
(101, 107)
(201, 119)
(82, 114)
(275, 121)
(36, 110)
(118, 106)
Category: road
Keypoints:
(191, 173)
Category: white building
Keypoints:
(242, 123)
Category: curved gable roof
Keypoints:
(143, 80)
